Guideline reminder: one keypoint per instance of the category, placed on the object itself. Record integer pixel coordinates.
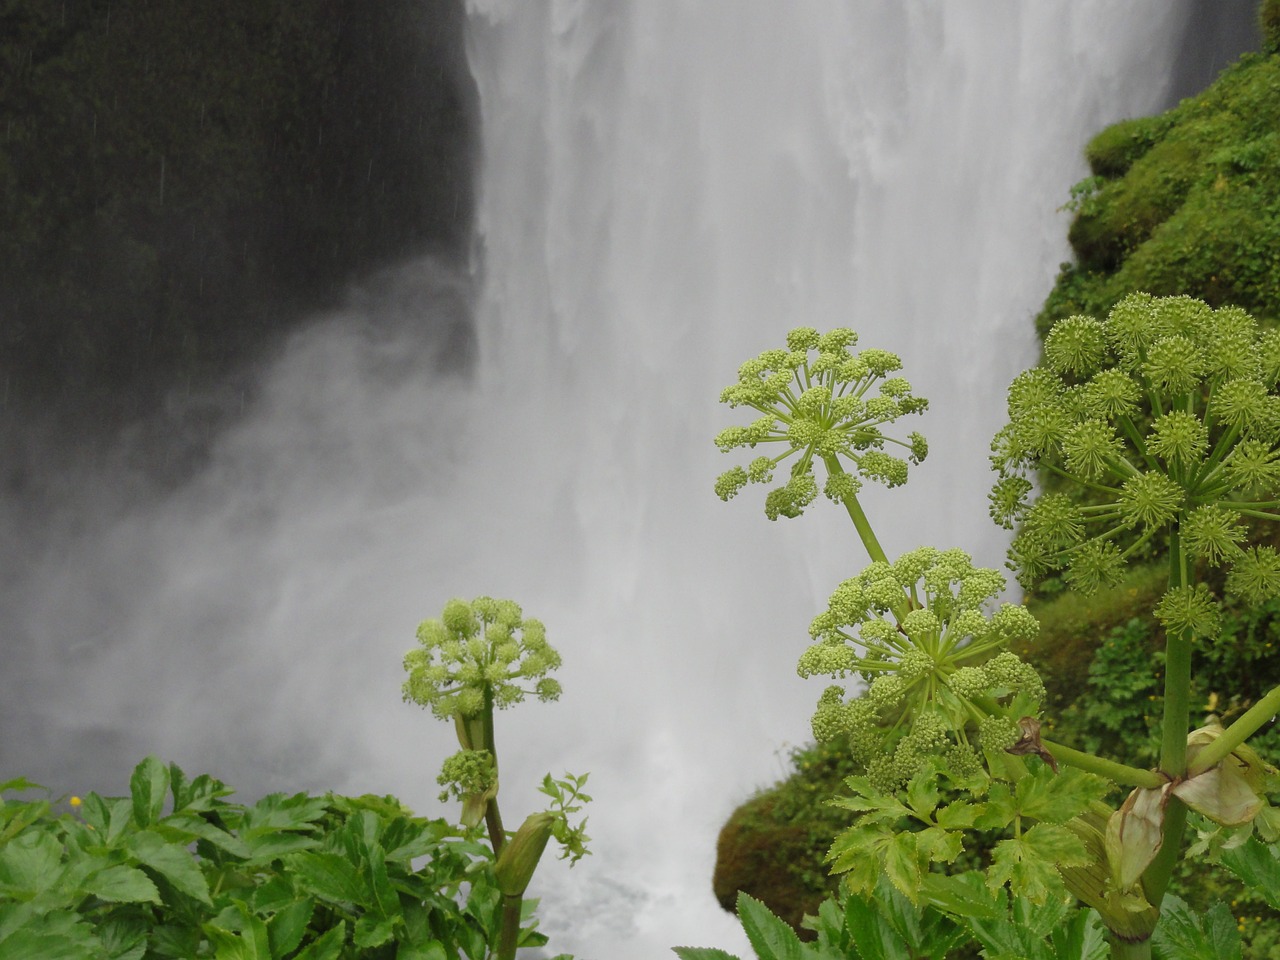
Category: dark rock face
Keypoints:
(181, 181)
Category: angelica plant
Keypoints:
(480, 656)
(1165, 419)
(821, 409)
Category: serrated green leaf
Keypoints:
(902, 865)
(30, 864)
(959, 815)
(18, 816)
(185, 827)
(19, 785)
(770, 937)
(122, 884)
(373, 930)
(148, 789)
(963, 895)
(853, 847)
(872, 936)
(173, 862)
(1050, 797)
(288, 925)
(939, 846)
(277, 811)
(1028, 863)
(1081, 937)
(999, 810)
(326, 947)
(110, 817)
(421, 951)
(1182, 935)
(922, 793)
(265, 847)
(702, 953)
(1257, 864)
(329, 877)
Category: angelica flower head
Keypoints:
(922, 634)
(478, 655)
(815, 401)
(1168, 413)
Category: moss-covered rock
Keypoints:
(1184, 203)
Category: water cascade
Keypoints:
(667, 187)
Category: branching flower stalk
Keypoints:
(1165, 417)
(1166, 414)
(478, 656)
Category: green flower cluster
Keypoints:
(1167, 413)
(479, 655)
(821, 407)
(940, 680)
(466, 773)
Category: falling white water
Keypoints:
(668, 186)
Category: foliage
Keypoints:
(1185, 202)
(1166, 414)
(477, 656)
(177, 870)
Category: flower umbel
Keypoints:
(1167, 414)
(821, 407)
(935, 671)
(479, 655)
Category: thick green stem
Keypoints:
(1245, 726)
(1120, 950)
(1173, 743)
(1118, 772)
(510, 934)
(856, 514)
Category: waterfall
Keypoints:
(667, 187)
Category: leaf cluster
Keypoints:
(176, 870)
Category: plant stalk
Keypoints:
(857, 515)
(1120, 773)
(1245, 726)
(1173, 743)
(507, 939)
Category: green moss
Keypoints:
(1186, 202)
(1113, 151)
(773, 846)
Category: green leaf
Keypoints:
(186, 827)
(1258, 865)
(1081, 937)
(963, 895)
(421, 951)
(122, 884)
(902, 864)
(277, 811)
(1181, 935)
(702, 953)
(109, 816)
(149, 786)
(287, 927)
(19, 785)
(30, 863)
(1028, 863)
(770, 937)
(959, 815)
(329, 877)
(171, 861)
(326, 947)
(373, 930)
